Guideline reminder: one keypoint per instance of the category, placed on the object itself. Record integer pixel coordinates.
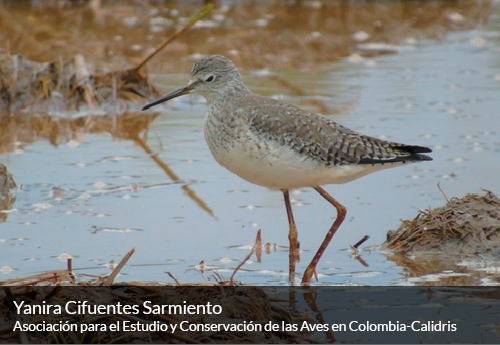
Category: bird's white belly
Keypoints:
(283, 168)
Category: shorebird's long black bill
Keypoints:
(176, 93)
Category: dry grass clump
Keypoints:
(469, 225)
(67, 85)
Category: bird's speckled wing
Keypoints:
(321, 139)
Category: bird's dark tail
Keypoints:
(415, 152)
(405, 154)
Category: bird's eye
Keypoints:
(210, 78)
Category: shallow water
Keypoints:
(96, 196)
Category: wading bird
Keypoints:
(283, 147)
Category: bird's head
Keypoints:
(211, 76)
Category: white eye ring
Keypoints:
(210, 78)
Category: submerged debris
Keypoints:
(466, 226)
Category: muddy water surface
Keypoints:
(98, 194)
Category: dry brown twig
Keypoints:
(108, 280)
(175, 279)
(442, 192)
(361, 241)
(258, 247)
(204, 11)
(249, 255)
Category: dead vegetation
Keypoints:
(468, 226)
(7, 192)
(67, 86)
(7, 183)
(453, 245)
